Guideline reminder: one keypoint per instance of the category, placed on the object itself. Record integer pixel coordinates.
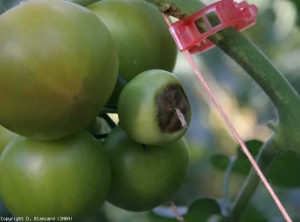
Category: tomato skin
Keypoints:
(144, 177)
(138, 108)
(66, 177)
(58, 68)
(141, 36)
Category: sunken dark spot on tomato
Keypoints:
(173, 96)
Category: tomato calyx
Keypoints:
(173, 109)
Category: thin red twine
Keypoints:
(234, 132)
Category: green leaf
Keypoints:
(252, 214)
(283, 171)
(220, 161)
(253, 146)
(202, 210)
(242, 164)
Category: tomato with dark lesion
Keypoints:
(154, 109)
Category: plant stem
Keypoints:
(245, 53)
(259, 67)
(226, 182)
(267, 154)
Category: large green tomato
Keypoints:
(67, 177)
(141, 36)
(58, 68)
(144, 176)
(5, 137)
(154, 109)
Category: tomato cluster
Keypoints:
(62, 67)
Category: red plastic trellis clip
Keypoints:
(230, 13)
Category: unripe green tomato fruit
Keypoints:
(154, 109)
(144, 176)
(141, 35)
(97, 126)
(58, 68)
(66, 177)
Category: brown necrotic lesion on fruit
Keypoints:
(173, 109)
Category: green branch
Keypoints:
(244, 52)
(226, 182)
(267, 154)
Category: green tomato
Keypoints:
(5, 137)
(66, 177)
(144, 176)
(98, 126)
(141, 36)
(58, 68)
(154, 109)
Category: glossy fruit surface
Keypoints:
(141, 35)
(154, 109)
(66, 177)
(144, 177)
(58, 68)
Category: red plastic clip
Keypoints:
(230, 13)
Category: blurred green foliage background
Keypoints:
(277, 35)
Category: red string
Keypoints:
(234, 132)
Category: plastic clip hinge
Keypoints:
(230, 13)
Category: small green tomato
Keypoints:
(144, 177)
(154, 109)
